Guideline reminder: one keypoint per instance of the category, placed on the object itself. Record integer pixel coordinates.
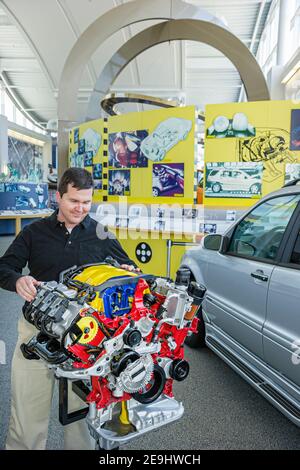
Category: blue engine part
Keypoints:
(117, 300)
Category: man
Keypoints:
(49, 246)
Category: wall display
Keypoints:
(97, 171)
(208, 228)
(154, 250)
(165, 136)
(292, 172)
(175, 127)
(28, 196)
(117, 144)
(119, 182)
(121, 222)
(159, 225)
(77, 160)
(85, 143)
(160, 212)
(97, 184)
(168, 180)
(242, 180)
(134, 223)
(135, 211)
(25, 161)
(143, 252)
(86, 150)
(124, 149)
(189, 213)
(76, 135)
(295, 129)
(92, 141)
(270, 146)
(88, 159)
(81, 146)
(223, 127)
(11, 187)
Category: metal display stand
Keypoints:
(114, 426)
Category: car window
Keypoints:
(260, 233)
(295, 256)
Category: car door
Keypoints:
(281, 332)
(237, 181)
(238, 280)
(225, 180)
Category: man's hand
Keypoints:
(25, 287)
(131, 268)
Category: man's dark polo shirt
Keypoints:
(48, 248)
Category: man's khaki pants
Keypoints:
(32, 385)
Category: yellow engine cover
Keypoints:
(97, 275)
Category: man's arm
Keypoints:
(14, 260)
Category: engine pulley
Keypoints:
(154, 388)
(91, 333)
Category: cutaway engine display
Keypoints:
(119, 337)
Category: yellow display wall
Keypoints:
(272, 123)
(180, 155)
(158, 245)
(76, 159)
(182, 152)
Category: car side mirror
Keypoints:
(212, 242)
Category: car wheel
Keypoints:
(155, 192)
(216, 187)
(197, 340)
(255, 188)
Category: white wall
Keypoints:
(3, 144)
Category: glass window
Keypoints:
(20, 119)
(8, 108)
(260, 233)
(295, 257)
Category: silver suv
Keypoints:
(251, 313)
(233, 180)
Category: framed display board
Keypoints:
(251, 149)
(88, 149)
(151, 156)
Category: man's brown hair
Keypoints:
(76, 177)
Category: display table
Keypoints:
(18, 216)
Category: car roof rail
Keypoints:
(292, 183)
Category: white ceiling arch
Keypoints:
(36, 32)
(105, 26)
(194, 30)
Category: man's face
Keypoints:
(74, 205)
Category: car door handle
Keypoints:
(260, 275)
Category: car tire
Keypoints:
(155, 192)
(197, 340)
(216, 188)
(255, 188)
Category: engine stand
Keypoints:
(142, 418)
